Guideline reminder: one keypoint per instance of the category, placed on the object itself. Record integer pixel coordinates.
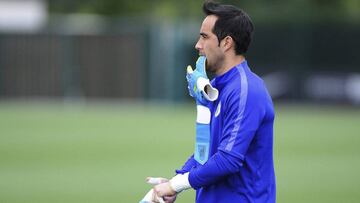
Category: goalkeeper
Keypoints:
(233, 157)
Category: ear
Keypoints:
(227, 43)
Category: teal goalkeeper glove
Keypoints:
(198, 83)
(203, 92)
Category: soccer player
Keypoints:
(239, 165)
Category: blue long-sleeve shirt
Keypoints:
(240, 166)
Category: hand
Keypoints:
(154, 197)
(170, 199)
(151, 196)
(164, 189)
(198, 83)
(156, 181)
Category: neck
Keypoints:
(230, 62)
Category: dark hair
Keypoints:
(232, 22)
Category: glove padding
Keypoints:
(198, 83)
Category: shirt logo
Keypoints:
(217, 112)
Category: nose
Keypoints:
(198, 45)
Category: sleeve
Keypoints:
(190, 163)
(242, 118)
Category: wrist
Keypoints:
(180, 182)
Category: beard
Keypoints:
(214, 64)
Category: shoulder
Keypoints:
(245, 87)
(243, 82)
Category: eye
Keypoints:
(203, 36)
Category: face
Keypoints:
(208, 45)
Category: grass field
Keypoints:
(103, 152)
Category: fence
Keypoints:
(133, 59)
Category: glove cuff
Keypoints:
(211, 93)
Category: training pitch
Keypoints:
(73, 152)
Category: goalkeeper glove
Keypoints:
(198, 83)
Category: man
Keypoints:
(240, 165)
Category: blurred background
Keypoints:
(93, 96)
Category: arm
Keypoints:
(190, 163)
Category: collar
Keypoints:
(222, 80)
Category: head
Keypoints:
(225, 31)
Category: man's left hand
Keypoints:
(164, 189)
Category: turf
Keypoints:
(102, 152)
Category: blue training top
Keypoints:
(240, 166)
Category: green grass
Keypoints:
(102, 153)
